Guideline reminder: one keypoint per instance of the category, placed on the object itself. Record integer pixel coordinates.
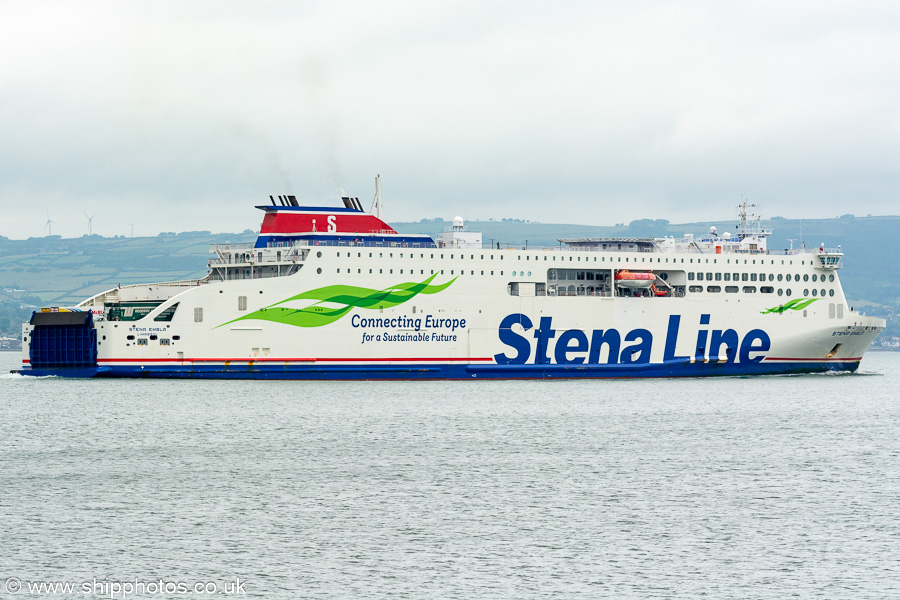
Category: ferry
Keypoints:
(337, 293)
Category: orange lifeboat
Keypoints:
(637, 279)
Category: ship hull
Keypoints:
(398, 313)
(426, 371)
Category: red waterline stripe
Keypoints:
(814, 359)
(269, 359)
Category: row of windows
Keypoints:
(754, 277)
(751, 289)
(553, 256)
(554, 274)
(430, 272)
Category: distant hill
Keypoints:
(63, 271)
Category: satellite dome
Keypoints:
(712, 230)
(726, 235)
(457, 221)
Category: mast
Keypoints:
(378, 196)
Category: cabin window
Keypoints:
(749, 289)
(709, 276)
(696, 288)
(130, 337)
(718, 277)
(766, 289)
(143, 342)
(242, 302)
(780, 291)
(713, 289)
(198, 314)
(831, 292)
(690, 276)
(806, 292)
(831, 278)
(752, 276)
(745, 277)
(167, 314)
(814, 277)
(787, 292)
(797, 277)
(163, 341)
(815, 292)
(779, 277)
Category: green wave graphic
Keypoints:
(795, 304)
(317, 315)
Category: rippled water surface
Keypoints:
(768, 487)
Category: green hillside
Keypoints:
(57, 271)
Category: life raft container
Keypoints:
(638, 279)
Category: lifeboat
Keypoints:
(636, 279)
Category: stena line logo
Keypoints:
(577, 347)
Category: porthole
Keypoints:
(529, 273)
(779, 277)
(831, 278)
(319, 270)
(815, 277)
(780, 291)
(787, 292)
(815, 292)
(806, 292)
(805, 277)
(797, 277)
(831, 292)
(319, 254)
(822, 293)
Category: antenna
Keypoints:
(49, 224)
(132, 229)
(90, 219)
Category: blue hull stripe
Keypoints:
(447, 371)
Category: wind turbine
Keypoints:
(49, 224)
(90, 219)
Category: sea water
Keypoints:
(765, 487)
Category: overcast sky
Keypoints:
(183, 115)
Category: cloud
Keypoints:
(183, 115)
